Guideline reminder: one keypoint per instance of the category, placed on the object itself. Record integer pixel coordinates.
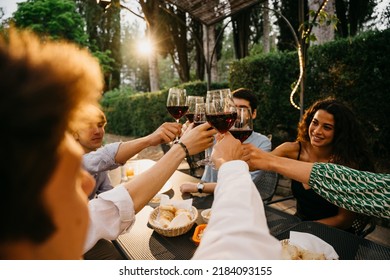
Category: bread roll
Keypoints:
(290, 252)
(166, 215)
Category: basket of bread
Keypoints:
(172, 220)
(305, 246)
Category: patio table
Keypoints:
(143, 243)
(348, 246)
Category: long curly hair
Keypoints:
(350, 147)
(42, 86)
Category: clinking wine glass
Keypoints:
(220, 113)
(200, 118)
(200, 114)
(243, 126)
(191, 102)
(177, 104)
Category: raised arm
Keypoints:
(164, 134)
(144, 186)
(257, 159)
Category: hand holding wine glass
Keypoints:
(177, 104)
(220, 113)
(243, 126)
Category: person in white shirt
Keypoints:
(237, 228)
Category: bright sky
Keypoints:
(9, 6)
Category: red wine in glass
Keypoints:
(177, 104)
(190, 117)
(241, 135)
(243, 126)
(196, 123)
(222, 121)
(177, 111)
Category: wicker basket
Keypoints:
(171, 232)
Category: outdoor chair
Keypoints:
(266, 184)
(363, 225)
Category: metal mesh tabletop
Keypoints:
(279, 221)
(348, 246)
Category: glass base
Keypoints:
(205, 162)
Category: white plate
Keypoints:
(166, 187)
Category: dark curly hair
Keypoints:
(42, 85)
(350, 147)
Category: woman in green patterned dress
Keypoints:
(359, 191)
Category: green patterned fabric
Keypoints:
(359, 191)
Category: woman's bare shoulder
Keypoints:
(287, 149)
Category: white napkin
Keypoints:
(178, 204)
(313, 243)
(179, 221)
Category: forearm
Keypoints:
(297, 170)
(144, 186)
(193, 187)
(130, 148)
(358, 191)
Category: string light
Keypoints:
(300, 59)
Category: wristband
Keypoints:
(184, 148)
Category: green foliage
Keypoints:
(55, 18)
(353, 71)
(105, 60)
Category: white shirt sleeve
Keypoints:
(111, 214)
(237, 228)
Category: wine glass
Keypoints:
(177, 104)
(221, 112)
(191, 102)
(243, 126)
(200, 114)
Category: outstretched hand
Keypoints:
(255, 157)
(197, 139)
(227, 148)
(165, 133)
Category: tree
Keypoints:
(323, 32)
(290, 10)
(194, 43)
(55, 18)
(151, 11)
(177, 29)
(352, 14)
(266, 27)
